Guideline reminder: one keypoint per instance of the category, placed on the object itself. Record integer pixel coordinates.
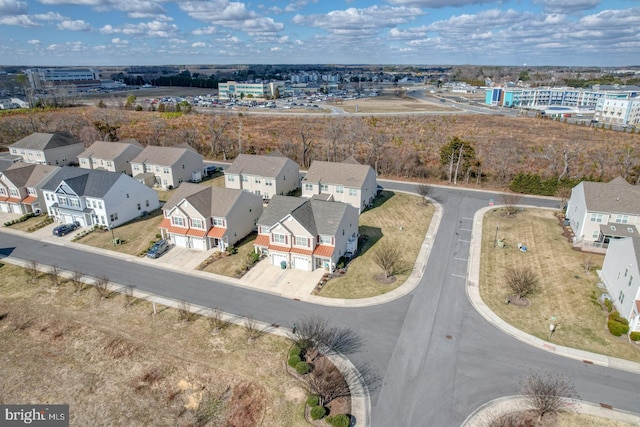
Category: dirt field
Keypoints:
(566, 290)
(390, 103)
(115, 364)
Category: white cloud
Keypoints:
(275, 49)
(231, 15)
(199, 44)
(566, 6)
(437, 4)
(56, 48)
(144, 29)
(120, 42)
(12, 7)
(206, 31)
(78, 25)
(49, 16)
(34, 41)
(19, 20)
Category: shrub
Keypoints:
(616, 328)
(295, 351)
(340, 420)
(313, 400)
(232, 250)
(608, 304)
(293, 361)
(318, 412)
(635, 336)
(303, 368)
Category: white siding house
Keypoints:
(621, 276)
(20, 187)
(110, 156)
(170, 165)
(265, 176)
(56, 149)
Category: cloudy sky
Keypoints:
(483, 32)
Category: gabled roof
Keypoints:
(109, 150)
(27, 174)
(316, 216)
(46, 141)
(166, 156)
(269, 165)
(209, 201)
(347, 174)
(616, 196)
(84, 182)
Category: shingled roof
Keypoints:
(84, 182)
(269, 165)
(156, 155)
(28, 174)
(108, 149)
(46, 141)
(347, 173)
(616, 196)
(208, 200)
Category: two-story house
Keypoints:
(307, 234)
(20, 187)
(621, 275)
(110, 156)
(56, 149)
(95, 197)
(265, 176)
(598, 212)
(170, 166)
(348, 182)
(205, 217)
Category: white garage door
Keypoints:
(180, 241)
(300, 263)
(67, 219)
(80, 220)
(277, 259)
(16, 208)
(4, 207)
(199, 244)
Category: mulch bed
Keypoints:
(519, 302)
(380, 278)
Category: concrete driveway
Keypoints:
(288, 283)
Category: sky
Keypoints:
(421, 32)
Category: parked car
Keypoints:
(158, 248)
(65, 229)
(210, 170)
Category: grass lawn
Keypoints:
(229, 265)
(397, 218)
(115, 364)
(217, 180)
(26, 225)
(567, 292)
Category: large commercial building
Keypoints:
(239, 90)
(49, 78)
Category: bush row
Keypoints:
(340, 420)
(23, 218)
(535, 184)
(41, 224)
(617, 325)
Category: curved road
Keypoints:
(437, 358)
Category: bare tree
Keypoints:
(217, 128)
(128, 295)
(253, 329)
(522, 281)
(307, 143)
(424, 190)
(316, 336)
(389, 258)
(77, 279)
(510, 202)
(32, 270)
(55, 275)
(216, 319)
(547, 393)
(587, 263)
(102, 286)
(184, 312)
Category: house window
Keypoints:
(325, 240)
(146, 203)
(166, 170)
(279, 238)
(353, 192)
(13, 192)
(139, 206)
(596, 217)
(621, 297)
(3, 192)
(230, 178)
(75, 203)
(630, 279)
(245, 178)
(109, 164)
(99, 204)
(268, 182)
(626, 272)
(622, 219)
(257, 192)
(257, 180)
(301, 241)
(178, 221)
(308, 187)
(339, 189)
(595, 234)
(63, 201)
(196, 223)
(113, 217)
(218, 222)
(136, 167)
(324, 187)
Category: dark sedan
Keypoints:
(65, 229)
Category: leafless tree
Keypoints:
(329, 383)
(216, 319)
(510, 202)
(389, 258)
(587, 263)
(184, 312)
(423, 190)
(217, 128)
(77, 279)
(55, 275)
(316, 336)
(252, 328)
(307, 143)
(522, 281)
(32, 270)
(547, 393)
(128, 295)
(102, 286)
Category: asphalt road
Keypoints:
(438, 360)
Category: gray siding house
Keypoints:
(56, 149)
(265, 176)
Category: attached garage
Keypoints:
(199, 244)
(80, 220)
(67, 219)
(4, 208)
(276, 259)
(16, 208)
(180, 241)
(301, 263)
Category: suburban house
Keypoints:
(170, 166)
(7, 159)
(56, 149)
(348, 182)
(307, 234)
(598, 212)
(96, 197)
(621, 276)
(265, 176)
(205, 217)
(20, 187)
(110, 156)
